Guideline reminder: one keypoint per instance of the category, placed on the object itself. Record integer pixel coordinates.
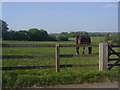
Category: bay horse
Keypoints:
(83, 40)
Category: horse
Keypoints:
(83, 40)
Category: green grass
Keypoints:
(47, 77)
(28, 51)
(97, 40)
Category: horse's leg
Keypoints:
(77, 50)
(89, 50)
(83, 50)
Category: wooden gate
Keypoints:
(111, 52)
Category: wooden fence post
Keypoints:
(57, 57)
(103, 56)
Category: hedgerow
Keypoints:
(25, 80)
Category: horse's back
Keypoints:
(85, 40)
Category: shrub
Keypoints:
(23, 80)
(62, 38)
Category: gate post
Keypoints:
(57, 57)
(103, 56)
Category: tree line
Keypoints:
(32, 34)
(35, 34)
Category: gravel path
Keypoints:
(91, 85)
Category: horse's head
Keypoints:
(78, 39)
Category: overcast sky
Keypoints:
(56, 17)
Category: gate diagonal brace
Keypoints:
(114, 52)
(114, 64)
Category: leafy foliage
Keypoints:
(35, 34)
(32, 34)
(62, 38)
(4, 28)
(23, 80)
(38, 35)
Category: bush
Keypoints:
(52, 38)
(32, 34)
(62, 38)
(25, 80)
(9, 79)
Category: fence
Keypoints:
(116, 59)
(103, 56)
(58, 56)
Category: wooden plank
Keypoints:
(78, 45)
(25, 67)
(80, 55)
(114, 59)
(114, 53)
(52, 45)
(28, 45)
(103, 56)
(46, 67)
(57, 58)
(115, 45)
(112, 64)
(26, 56)
(48, 45)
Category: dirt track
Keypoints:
(92, 85)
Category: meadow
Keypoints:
(47, 77)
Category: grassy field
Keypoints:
(44, 77)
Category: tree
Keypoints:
(38, 35)
(12, 35)
(52, 38)
(4, 28)
(85, 34)
(23, 35)
(44, 35)
(62, 38)
(34, 34)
